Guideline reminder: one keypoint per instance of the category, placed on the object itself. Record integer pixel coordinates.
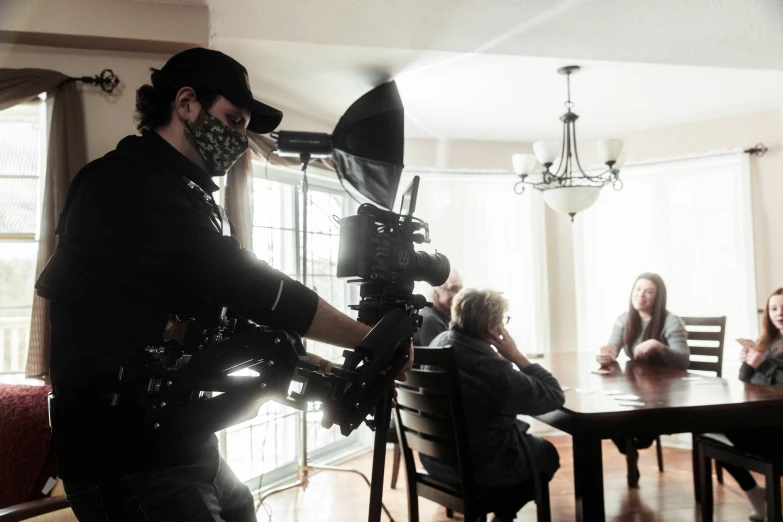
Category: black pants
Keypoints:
(201, 492)
(764, 443)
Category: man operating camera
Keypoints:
(141, 240)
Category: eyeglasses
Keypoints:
(506, 319)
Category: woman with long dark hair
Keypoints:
(646, 332)
(761, 364)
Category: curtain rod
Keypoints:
(757, 150)
(107, 80)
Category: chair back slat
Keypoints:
(426, 378)
(716, 337)
(423, 355)
(702, 366)
(429, 403)
(705, 321)
(430, 419)
(711, 351)
(706, 336)
(441, 428)
(431, 447)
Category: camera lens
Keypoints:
(433, 269)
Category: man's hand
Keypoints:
(401, 376)
(648, 348)
(754, 358)
(324, 365)
(606, 356)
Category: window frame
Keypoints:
(321, 181)
(39, 108)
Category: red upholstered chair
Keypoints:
(27, 460)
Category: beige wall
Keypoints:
(461, 154)
(112, 19)
(110, 118)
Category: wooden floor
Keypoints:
(665, 497)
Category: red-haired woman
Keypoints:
(761, 364)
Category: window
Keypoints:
(269, 444)
(689, 221)
(495, 239)
(22, 167)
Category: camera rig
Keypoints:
(172, 379)
(249, 365)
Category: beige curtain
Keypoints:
(239, 183)
(66, 154)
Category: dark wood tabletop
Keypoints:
(636, 398)
(640, 399)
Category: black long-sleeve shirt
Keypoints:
(137, 244)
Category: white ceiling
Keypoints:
(485, 69)
(719, 33)
(496, 97)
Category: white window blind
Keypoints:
(269, 444)
(495, 239)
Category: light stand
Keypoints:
(304, 469)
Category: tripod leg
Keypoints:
(382, 415)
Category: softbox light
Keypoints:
(367, 146)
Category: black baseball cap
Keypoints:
(218, 72)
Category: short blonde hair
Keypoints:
(473, 311)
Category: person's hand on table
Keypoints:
(648, 348)
(606, 356)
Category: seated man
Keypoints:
(493, 394)
(435, 318)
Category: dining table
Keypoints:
(633, 398)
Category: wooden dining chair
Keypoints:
(706, 336)
(705, 340)
(430, 420)
(709, 447)
(391, 437)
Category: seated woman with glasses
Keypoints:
(493, 394)
(650, 333)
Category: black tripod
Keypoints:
(382, 416)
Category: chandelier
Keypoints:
(564, 184)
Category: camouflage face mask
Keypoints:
(218, 144)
